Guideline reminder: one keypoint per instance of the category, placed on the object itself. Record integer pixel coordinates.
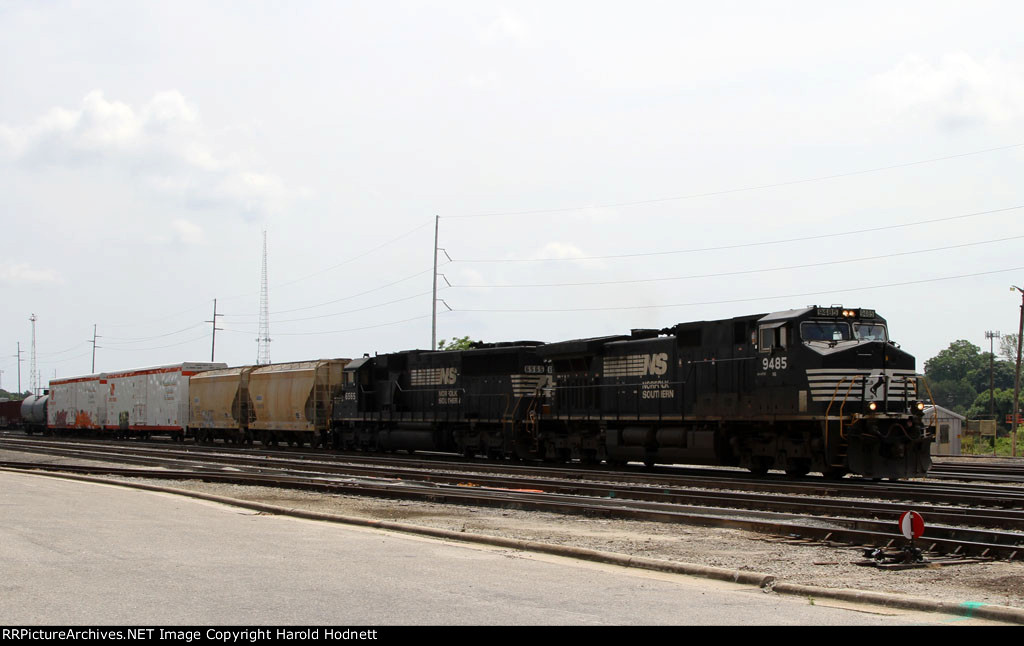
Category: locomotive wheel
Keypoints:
(759, 466)
(833, 473)
(798, 468)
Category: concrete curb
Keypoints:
(766, 582)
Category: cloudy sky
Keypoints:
(596, 166)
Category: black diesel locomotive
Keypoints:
(816, 389)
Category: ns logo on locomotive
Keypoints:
(817, 389)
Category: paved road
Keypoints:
(79, 553)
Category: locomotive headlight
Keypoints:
(873, 406)
(919, 406)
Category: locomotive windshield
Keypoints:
(825, 331)
(870, 331)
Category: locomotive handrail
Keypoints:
(935, 405)
(828, 411)
(846, 397)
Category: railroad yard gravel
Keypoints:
(995, 582)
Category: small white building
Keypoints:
(949, 428)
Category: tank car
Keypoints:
(815, 389)
(33, 413)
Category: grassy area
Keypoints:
(973, 445)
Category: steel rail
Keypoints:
(844, 530)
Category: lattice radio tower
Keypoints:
(263, 342)
(33, 378)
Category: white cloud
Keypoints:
(559, 250)
(956, 92)
(189, 232)
(22, 273)
(163, 143)
(507, 26)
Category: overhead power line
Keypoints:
(746, 244)
(143, 339)
(353, 329)
(742, 271)
(161, 347)
(354, 258)
(734, 190)
(740, 300)
(238, 317)
(361, 309)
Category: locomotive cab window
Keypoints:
(870, 331)
(825, 331)
(771, 336)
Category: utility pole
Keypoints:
(1016, 380)
(433, 301)
(433, 310)
(94, 337)
(33, 375)
(19, 366)
(991, 373)
(213, 341)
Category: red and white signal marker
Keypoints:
(911, 524)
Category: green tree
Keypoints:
(960, 376)
(956, 395)
(464, 343)
(998, 372)
(1003, 404)
(955, 362)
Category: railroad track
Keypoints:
(1006, 472)
(916, 491)
(967, 530)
